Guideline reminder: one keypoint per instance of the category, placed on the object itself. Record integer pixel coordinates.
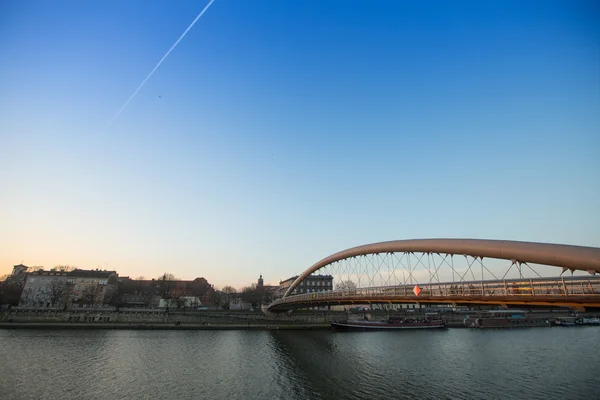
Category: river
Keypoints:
(542, 363)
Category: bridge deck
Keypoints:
(575, 292)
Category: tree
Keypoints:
(251, 294)
(216, 298)
(59, 292)
(199, 288)
(179, 301)
(147, 293)
(145, 289)
(229, 293)
(193, 302)
(92, 294)
(116, 296)
(167, 286)
(115, 299)
(3, 293)
(346, 285)
(10, 291)
(64, 268)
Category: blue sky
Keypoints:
(288, 130)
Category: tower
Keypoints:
(19, 269)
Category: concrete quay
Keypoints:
(157, 326)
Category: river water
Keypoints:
(542, 363)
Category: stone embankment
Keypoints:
(199, 320)
(162, 319)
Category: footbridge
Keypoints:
(451, 271)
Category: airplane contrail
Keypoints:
(159, 63)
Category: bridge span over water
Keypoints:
(455, 271)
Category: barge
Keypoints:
(505, 319)
(391, 323)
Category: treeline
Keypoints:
(182, 294)
(126, 292)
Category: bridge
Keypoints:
(452, 271)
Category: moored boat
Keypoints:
(591, 321)
(505, 319)
(389, 324)
(569, 321)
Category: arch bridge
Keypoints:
(451, 271)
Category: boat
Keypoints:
(504, 319)
(389, 324)
(569, 321)
(591, 321)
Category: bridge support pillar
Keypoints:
(577, 307)
(265, 310)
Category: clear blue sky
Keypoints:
(288, 130)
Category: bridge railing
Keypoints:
(545, 287)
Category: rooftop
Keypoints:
(293, 278)
(52, 272)
(91, 273)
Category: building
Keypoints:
(19, 269)
(311, 284)
(267, 290)
(164, 292)
(45, 289)
(91, 288)
(187, 302)
(12, 287)
(136, 293)
(264, 293)
(199, 289)
(77, 288)
(236, 302)
(18, 276)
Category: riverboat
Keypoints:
(505, 319)
(591, 321)
(569, 321)
(390, 324)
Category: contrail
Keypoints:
(158, 65)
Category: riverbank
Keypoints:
(159, 326)
(85, 319)
(172, 326)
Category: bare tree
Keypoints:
(59, 292)
(115, 298)
(216, 298)
(147, 294)
(179, 301)
(3, 296)
(194, 302)
(10, 291)
(93, 294)
(251, 294)
(146, 290)
(229, 293)
(167, 286)
(64, 268)
(346, 285)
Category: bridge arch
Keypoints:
(558, 255)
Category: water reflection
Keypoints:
(557, 363)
